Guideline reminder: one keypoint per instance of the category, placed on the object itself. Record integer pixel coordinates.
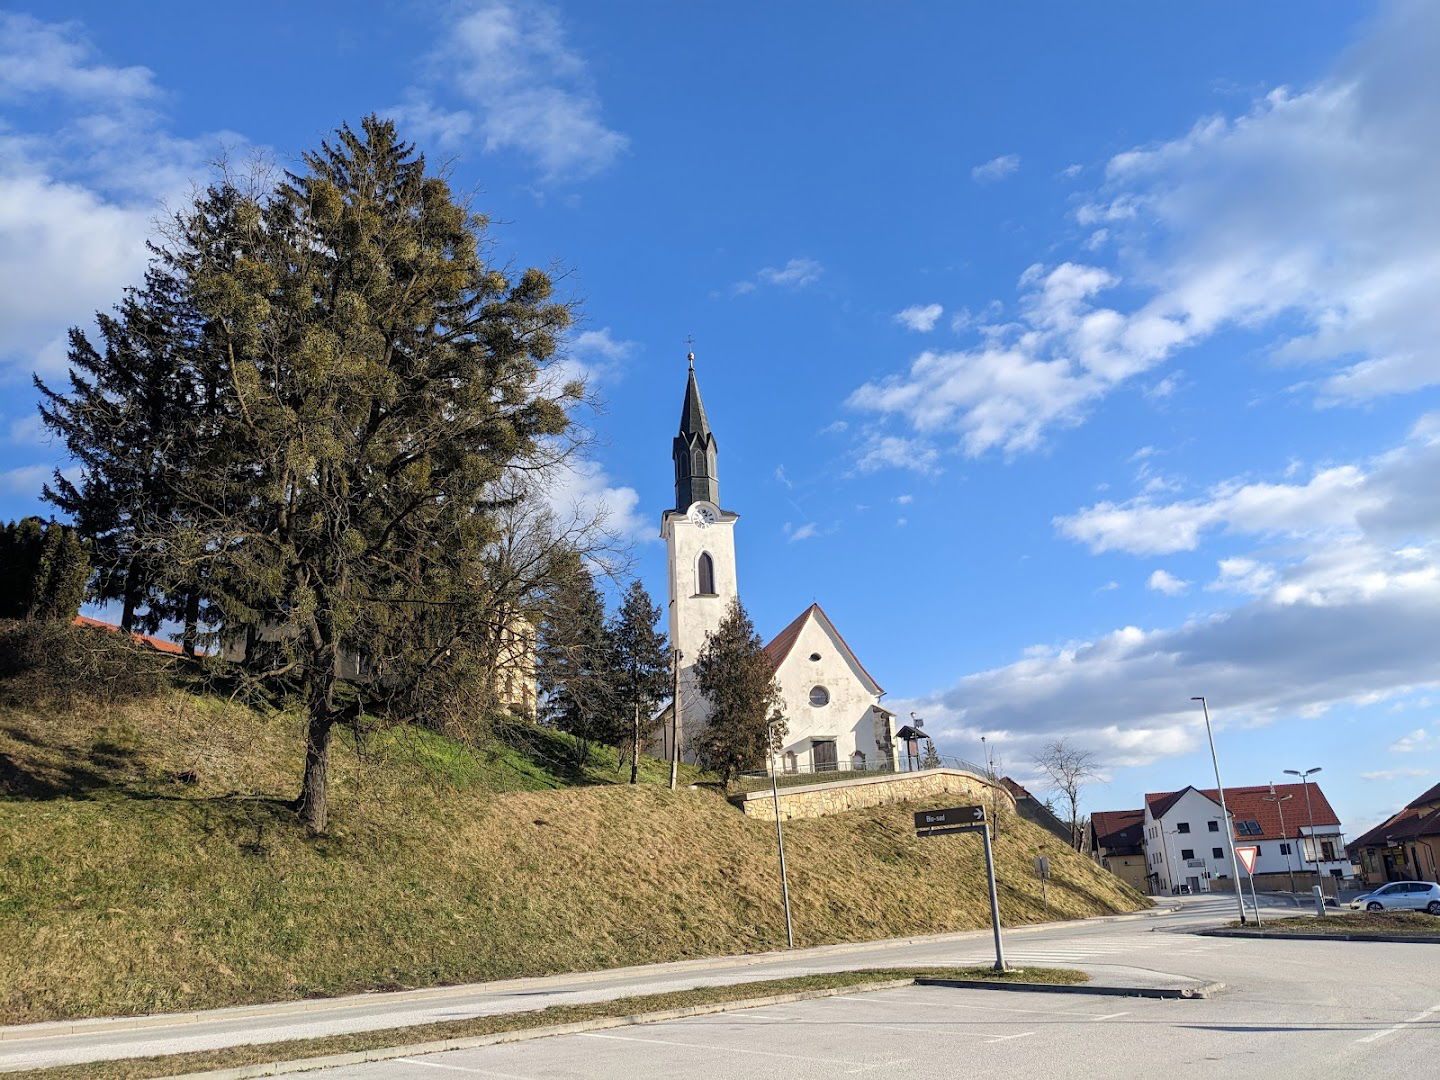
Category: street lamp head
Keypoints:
(1197, 699)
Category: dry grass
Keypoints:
(295, 1049)
(148, 863)
(1400, 923)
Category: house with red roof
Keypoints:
(1117, 842)
(1293, 828)
(1404, 846)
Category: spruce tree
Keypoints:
(367, 381)
(44, 570)
(738, 679)
(642, 667)
(575, 663)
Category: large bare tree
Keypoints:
(1067, 769)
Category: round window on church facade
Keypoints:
(819, 696)
(814, 656)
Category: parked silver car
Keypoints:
(1401, 896)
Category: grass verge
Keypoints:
(294, 1049)
(1399, 923)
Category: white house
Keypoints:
(1186, 842)
(832, 704)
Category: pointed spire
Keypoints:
(692, 418)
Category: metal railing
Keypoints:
(801, 773)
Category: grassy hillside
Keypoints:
(147, 863)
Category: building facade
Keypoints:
(831, 703)
(1116, 842)
(1403, 847)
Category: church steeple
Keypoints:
(694, 451)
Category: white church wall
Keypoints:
(846, 717)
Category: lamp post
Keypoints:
(1279, 801)
(780, 839)
(1224, 811)
(1309, 814)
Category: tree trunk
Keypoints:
(192, 621)
(635, 747)
(127, 614)
(314, 804)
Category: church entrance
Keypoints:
(823, 754)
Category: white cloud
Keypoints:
(904, 500)
(1391, 498)
(25, 480)
(782, 478)
(1386, 775)
(28, 430)
(795, 274)
(894, 452)
(900, 523)
(996, 168)
(800, 532)
(507, 73)
(1419, 739)
(583, 491)
(604, 345)
(920, 318)
(1165, 582)
(39, 59)
(1308, 219)
(1072, 171)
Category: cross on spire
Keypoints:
(690, 346)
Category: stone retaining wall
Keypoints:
(817, 800)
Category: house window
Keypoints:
(1214, 826)
(1183, 827)
(705, 575)
(1187, 853)
(1284, 849)
(814, 656)
(1327, 850)
(819, 696)
(1217, 852)
(1257, 851)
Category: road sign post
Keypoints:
(1246, 855)
(1042, 868)
(962, 819)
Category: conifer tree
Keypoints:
(575, 662)
(738, 679)
(642, 667)
(369, 381)
(45, 570)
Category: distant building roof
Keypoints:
(1119, 832)
(1409, 823)
(1250, 804)
(158, 644)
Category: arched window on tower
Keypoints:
(705, 575)
(697, 463)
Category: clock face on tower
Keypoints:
(702, 515)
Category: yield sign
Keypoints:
(1246, 855)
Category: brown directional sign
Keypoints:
(956, 815)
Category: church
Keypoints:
(831, 702)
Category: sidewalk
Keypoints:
(70, 1042)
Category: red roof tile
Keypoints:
(1250, 804)
(158, 644)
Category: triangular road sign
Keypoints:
(1246, 855)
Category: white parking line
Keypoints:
(1108, 1016)
(1002, 1038)
(1400, 1026)
(859, 1065)
(462, 1068)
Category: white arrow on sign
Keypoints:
(978, 813)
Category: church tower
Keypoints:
(700, 538)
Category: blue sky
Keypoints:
(1078, 359)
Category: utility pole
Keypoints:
(1279, 801)
(780, 841)
(675, 723)
(1309, 817)
(1225, 813)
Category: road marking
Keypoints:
(739, 1050)
(1002, 1038)
(983, 1008)
(461, 1068)
(1400, 1026)
(1108, 1016)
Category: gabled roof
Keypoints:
(1431, 796)
(1118, 831)
(158, 644)
(781, 645)
(1406, 825)
(1251, 804)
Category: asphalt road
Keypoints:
(1282, 989)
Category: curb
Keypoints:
(390, 1053)
(1406, 939)
(1169, 993)
(45, 1029)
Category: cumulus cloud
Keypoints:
(25, 480)
(1307, 220)
(920, 317)
(506, 72)
(1419, 739)
(583, 491)
(1386, 775)
(795, 533)
(996, 168)
(895, 452)
(1163, 581)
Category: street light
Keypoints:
(780, 834)
(1279, 801)
(1225, 812)
(1309, 814)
